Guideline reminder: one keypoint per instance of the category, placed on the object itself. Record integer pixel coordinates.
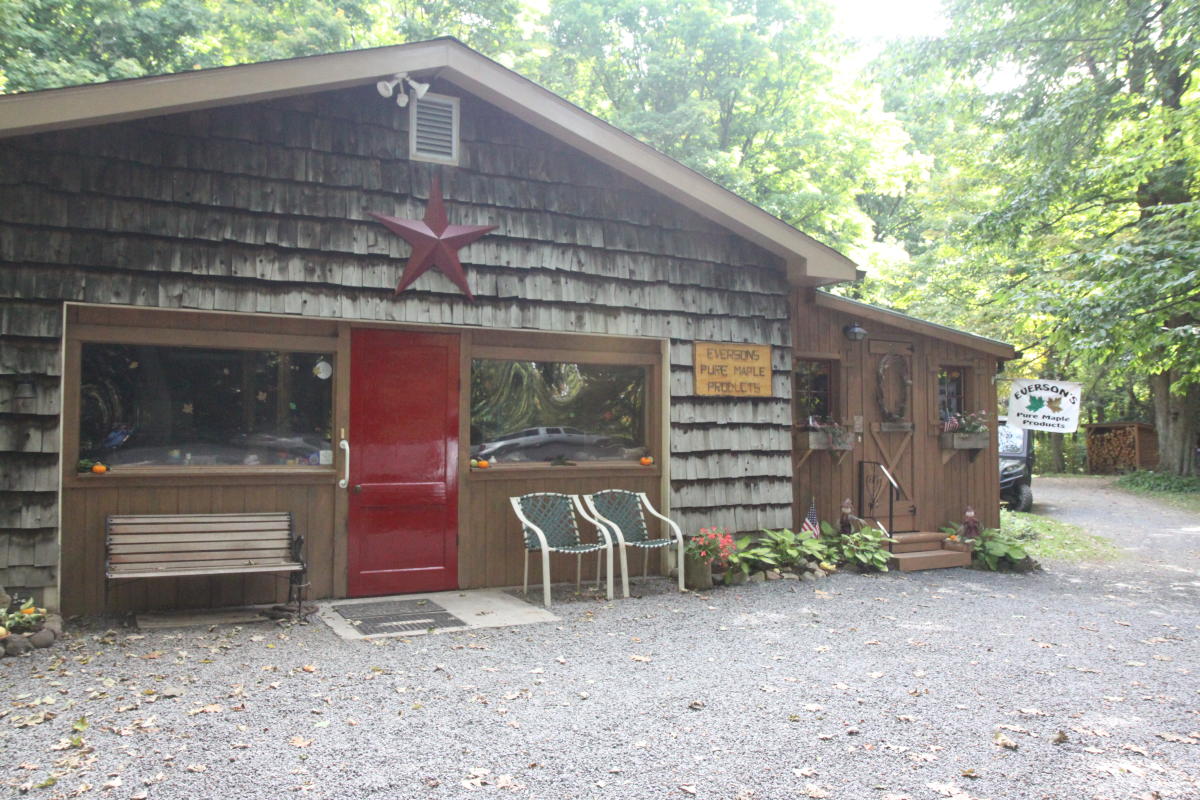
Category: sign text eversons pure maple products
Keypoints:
(732, 370)
(1040, 405)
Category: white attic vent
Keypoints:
(433, 129)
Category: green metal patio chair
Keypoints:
(621, 511)
(548, 524)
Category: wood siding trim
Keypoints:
(894, 319)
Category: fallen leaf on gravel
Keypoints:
(687, 787)
(140, 794)
(111, 784)
(640, 658)
(1059, 738)
(1014, 729)
(806, 772)
(299, 741)
(309, 668)
(1005, 742)
(970, 773)
(949, 790)
(196, 768)
(1031, 712)
(211, 708)
(696, 705)
(813, 790)
(1192, 738)
(1134, 749)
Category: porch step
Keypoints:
(916, 547)
(929, 559)
(919, 537)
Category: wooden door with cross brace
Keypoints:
(890, 436)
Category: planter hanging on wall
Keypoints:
(964, 441)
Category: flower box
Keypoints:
(825, 440)
(965, 441)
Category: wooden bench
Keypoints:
(184, 545)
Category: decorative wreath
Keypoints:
(900, 413)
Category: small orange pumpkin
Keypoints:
(483, 463)
(646, 461)
(99, 469)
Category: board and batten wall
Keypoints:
(262, 208)
(944, 482)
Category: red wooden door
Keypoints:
(403, 504)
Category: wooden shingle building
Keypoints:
(199, 314)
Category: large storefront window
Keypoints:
(145, 405)
(553, 410)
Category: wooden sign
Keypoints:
(732, 370)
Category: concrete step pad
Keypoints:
(929, 559)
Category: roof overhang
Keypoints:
(809, 262)
(885, 316)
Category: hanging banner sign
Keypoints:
(1039, 405)
(732, 370)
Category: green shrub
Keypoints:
(1001, 552)
(779, 549)
(864, 549)
(1146, 481)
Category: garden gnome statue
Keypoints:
(970, 525)
(846, 523)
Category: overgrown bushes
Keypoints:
(1146, 481)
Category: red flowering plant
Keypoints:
(711, 545)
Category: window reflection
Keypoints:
(553, 410)
(144, 405)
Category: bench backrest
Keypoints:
(138, 542)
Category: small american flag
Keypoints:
(811, 525)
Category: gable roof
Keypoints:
(885, 316)
(809, 262)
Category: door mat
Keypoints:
(434, 612)
(397, 616)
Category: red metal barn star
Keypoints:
(435, 242)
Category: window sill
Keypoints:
(522, 471)
(256, 475)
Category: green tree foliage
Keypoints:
(1061, 211)
(746, 92)
(50, 43)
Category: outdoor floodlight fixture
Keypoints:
(419, 89)
(387, 88)
(855, 332)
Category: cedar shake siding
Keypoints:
(263, 208)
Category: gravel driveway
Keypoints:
(1077, 682)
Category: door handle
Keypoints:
(345, 481)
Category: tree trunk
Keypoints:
(1175, 418)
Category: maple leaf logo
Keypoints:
(1055, 404)
(1035, 403)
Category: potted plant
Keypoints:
(965, 431)
(709, 546)
(824, 433)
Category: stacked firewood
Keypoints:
(1112, 451)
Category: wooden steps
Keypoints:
(923, 550)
